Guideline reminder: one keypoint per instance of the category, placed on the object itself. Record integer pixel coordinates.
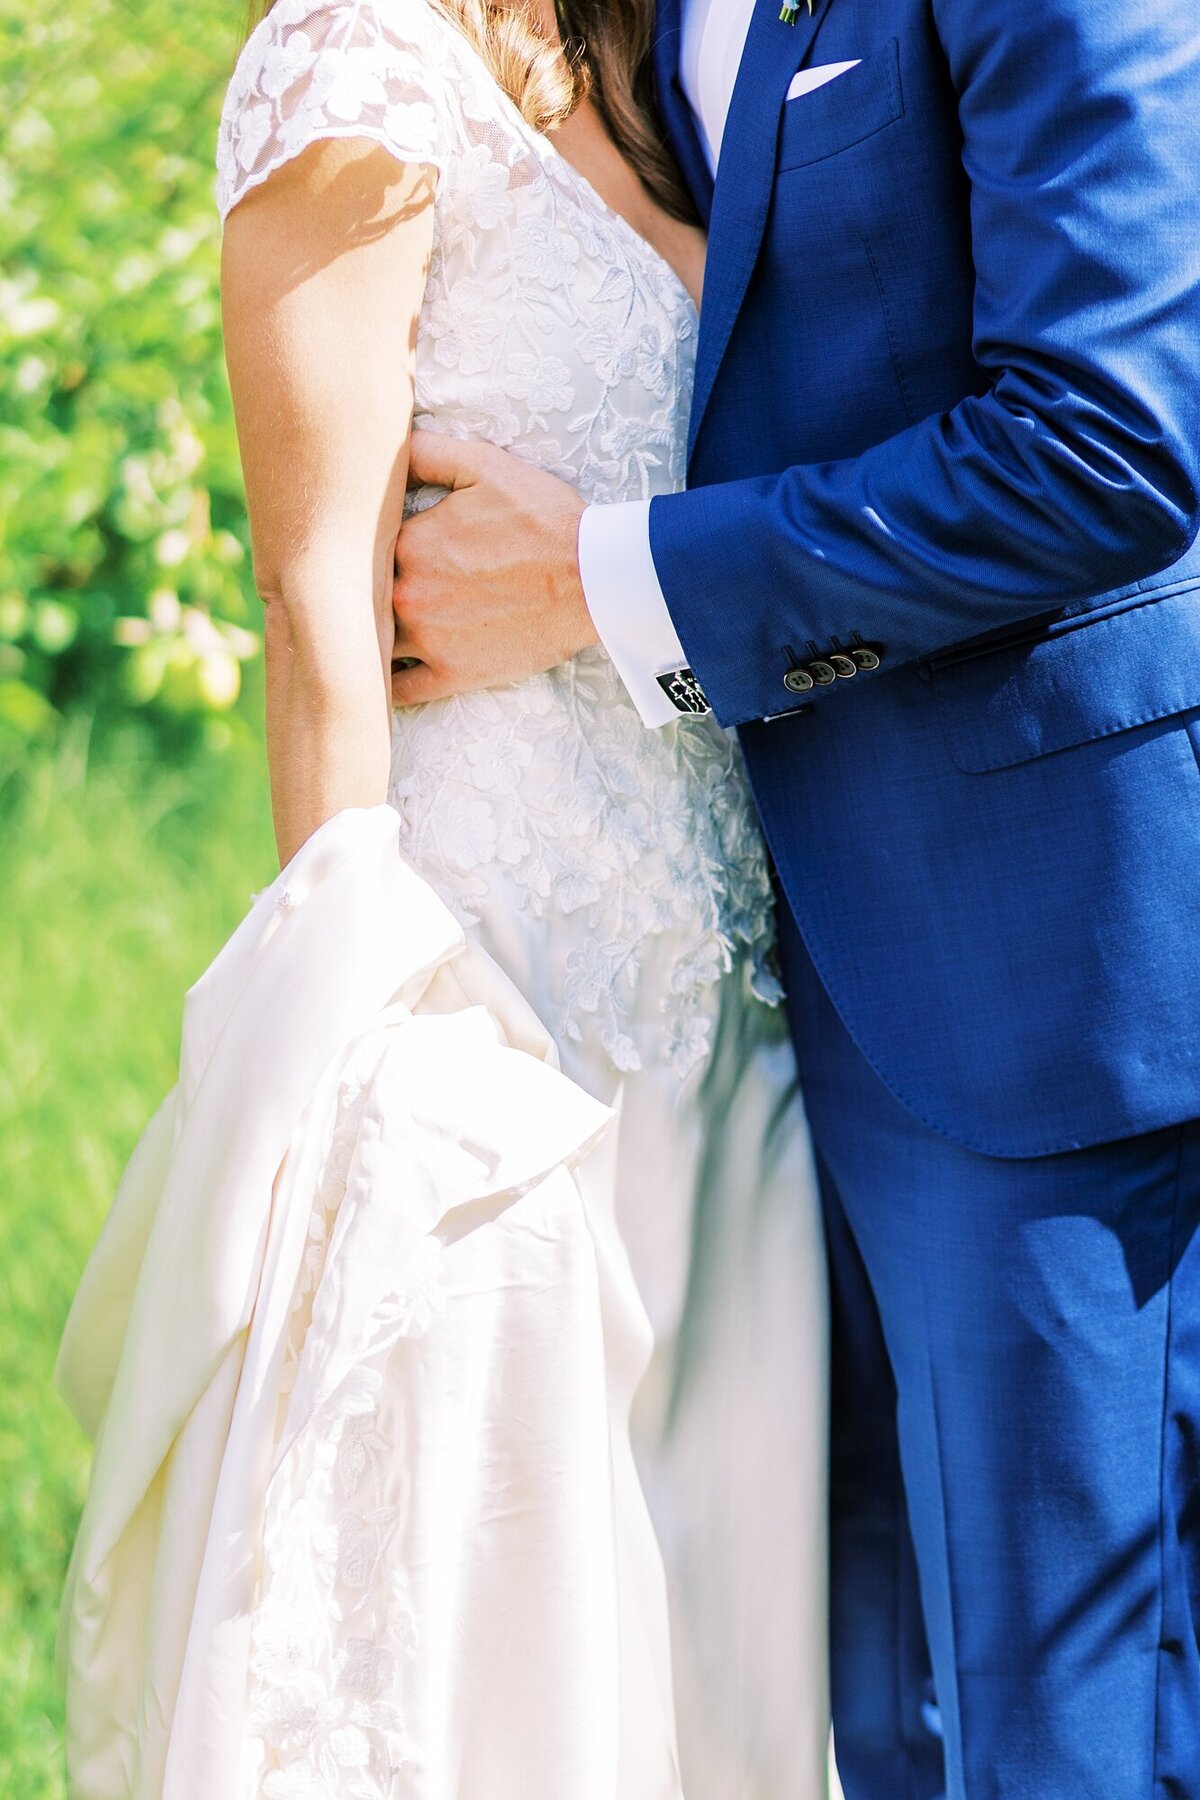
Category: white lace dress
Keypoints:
(453, 1588)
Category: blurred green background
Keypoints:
(133, 810)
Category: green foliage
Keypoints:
(127, 618)
(123, 556)
(121, 882)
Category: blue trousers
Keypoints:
(1015, 1450)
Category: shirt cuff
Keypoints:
(625, 600)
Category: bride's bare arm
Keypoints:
(323, 273)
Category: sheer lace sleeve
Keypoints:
(382, 69)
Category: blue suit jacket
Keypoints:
(948, 406)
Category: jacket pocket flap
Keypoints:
(1084, 679)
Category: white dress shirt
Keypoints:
(622, 589)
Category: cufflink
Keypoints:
(683, 691)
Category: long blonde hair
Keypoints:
(604, 49)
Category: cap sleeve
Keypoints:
(381, 69)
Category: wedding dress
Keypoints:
(455, 1348)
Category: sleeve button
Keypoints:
(844, 667)
(823, 673)
(798, 681)
(864, 658)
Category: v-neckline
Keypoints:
(591, 192)
(541, 143)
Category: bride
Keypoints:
(455, 1347)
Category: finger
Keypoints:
(402, 644)
(438, 461)
(415, 572)
(415, 686)
(417, 541)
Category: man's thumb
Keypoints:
(435, 460)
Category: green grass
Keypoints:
(119, 879)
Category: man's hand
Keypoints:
(487, 586)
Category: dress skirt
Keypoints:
(440, 1453)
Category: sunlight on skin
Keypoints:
(487, 586)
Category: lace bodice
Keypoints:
(551, 328)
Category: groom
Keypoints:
(935, 564)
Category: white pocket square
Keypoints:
(810, 79)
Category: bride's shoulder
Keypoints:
(393, 70)
(356, 24)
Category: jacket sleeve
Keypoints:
(1078, 470)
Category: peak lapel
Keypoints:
(773, 53)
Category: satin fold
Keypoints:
(171, 1355)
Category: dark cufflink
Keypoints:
(684, 691)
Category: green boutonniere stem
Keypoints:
(791, 10)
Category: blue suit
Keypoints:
(936, 563)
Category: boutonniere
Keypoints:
(791, 11)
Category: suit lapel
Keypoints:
(742, 200)
(682, 132)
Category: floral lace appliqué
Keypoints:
(548, 327)
(640, 847)
(333, 1620)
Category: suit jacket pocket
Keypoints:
(846, 110)
(1083, 679)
